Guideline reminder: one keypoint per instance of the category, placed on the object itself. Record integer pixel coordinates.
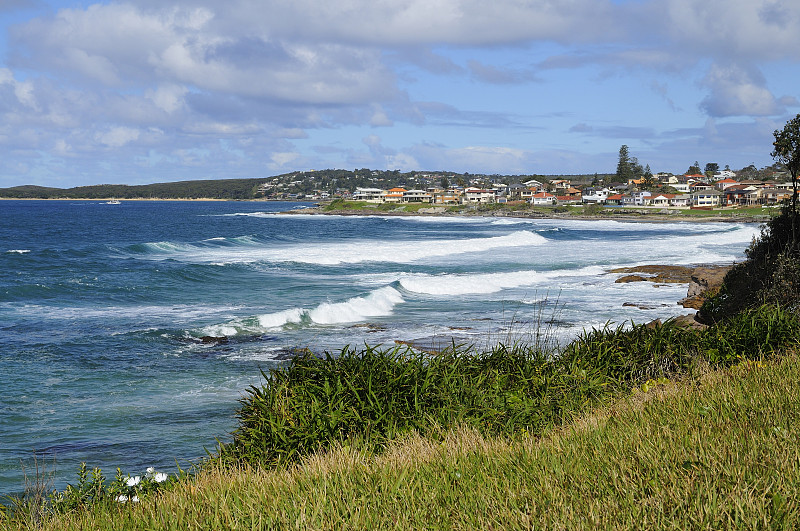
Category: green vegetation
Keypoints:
(210, 189)
(713, 450)
(770, 275)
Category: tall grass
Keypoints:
(372, 396)
(717, 452)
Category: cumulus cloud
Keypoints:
(167, 83)
(737, 91)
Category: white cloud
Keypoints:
(117, 136)
(738, 91)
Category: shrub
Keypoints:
(770, 275)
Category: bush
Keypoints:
(770, 275)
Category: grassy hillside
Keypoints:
(716, 451)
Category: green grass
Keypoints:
(716, 451)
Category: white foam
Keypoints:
(270, 321)
(488, 282)
(247, 249)
(378, 303)
(18, 251)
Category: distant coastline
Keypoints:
(639, 215)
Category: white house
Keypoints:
(706, 198)
(641, 198)
(681, 201)
(478, 195)
(543, 198)
(595, 196)
(368, 194)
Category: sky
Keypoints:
(144, 91)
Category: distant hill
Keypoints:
(207, 189)
(293, 185)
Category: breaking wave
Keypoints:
(251, 249)
(378, 303)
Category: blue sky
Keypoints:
(162, 90)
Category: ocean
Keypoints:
(129, 332)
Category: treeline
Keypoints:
(285, 185)
(207, 189)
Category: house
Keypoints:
(416, 196)
(641, 198)
(447, 197)
(681, 201)
(706, 198)
(725, 183)
(737, 194)
(478, 195)
(698, 186)
(567, 199)
(536, 185)
(543, 198)
(393, 195)
(560, 184)
(515, 191)
(591, 195)
(661, 200)
(773, 196)
(372, 195)
(725, 174)
(615, 199)
(572, 193)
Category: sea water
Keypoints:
(129, 332)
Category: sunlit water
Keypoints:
(103, 307)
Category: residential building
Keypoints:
(543, 198)
(372, 195)
(706, 198)
(416, 196)
(393, 195)
(478, 195)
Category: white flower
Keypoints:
(132, 482)
(122, 498)
(160, 476)
(150, 471)
(135, 499)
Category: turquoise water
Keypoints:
(103, 308)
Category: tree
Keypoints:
(711, 169)
(694, 169)
(624, 165)
(445, 182)
(787, 153)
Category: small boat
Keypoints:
(113, 202)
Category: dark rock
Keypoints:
(213, 340)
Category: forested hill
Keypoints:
(293, 185)
(211, 189)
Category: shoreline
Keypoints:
(637, 216)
